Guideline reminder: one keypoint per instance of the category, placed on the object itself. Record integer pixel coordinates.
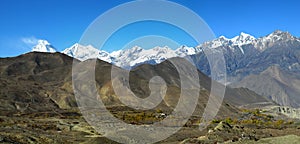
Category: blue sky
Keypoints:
(62, 22)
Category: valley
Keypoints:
(39, 106)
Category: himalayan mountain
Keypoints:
(268, 65)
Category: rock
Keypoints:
(202, 138)
(223, 126)
(210, 131)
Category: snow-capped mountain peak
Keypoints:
(131, 57)
(133, 50)
(184, 51)
(216, 42)
(272, 39)
(223, 38)
(242, 39)
(43, 46)
(279, 35)
(164, 49)
(82, 53)
(136, 55)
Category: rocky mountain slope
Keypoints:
(38, 103)
(275, 83)
(268, 65)
(255, 56)
(245, 56)
(43, 81)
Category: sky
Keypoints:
(62, 22)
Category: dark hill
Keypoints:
(36, 82)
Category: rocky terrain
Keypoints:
(275, 83)
(39, 106)
(268, 65)
(38, 103)
(254, 126)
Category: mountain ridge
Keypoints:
(48, 77)
(244, 56)
(124, 58)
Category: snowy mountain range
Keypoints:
(123, 58)
(269, 65)
(132, 57)
(243, 51)
(249, 61)
(82, 53)
(236, 46)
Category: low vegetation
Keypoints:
(257, 118)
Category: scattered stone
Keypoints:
(223, 126)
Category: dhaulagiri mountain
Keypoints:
(245, 56)
(43, 46)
